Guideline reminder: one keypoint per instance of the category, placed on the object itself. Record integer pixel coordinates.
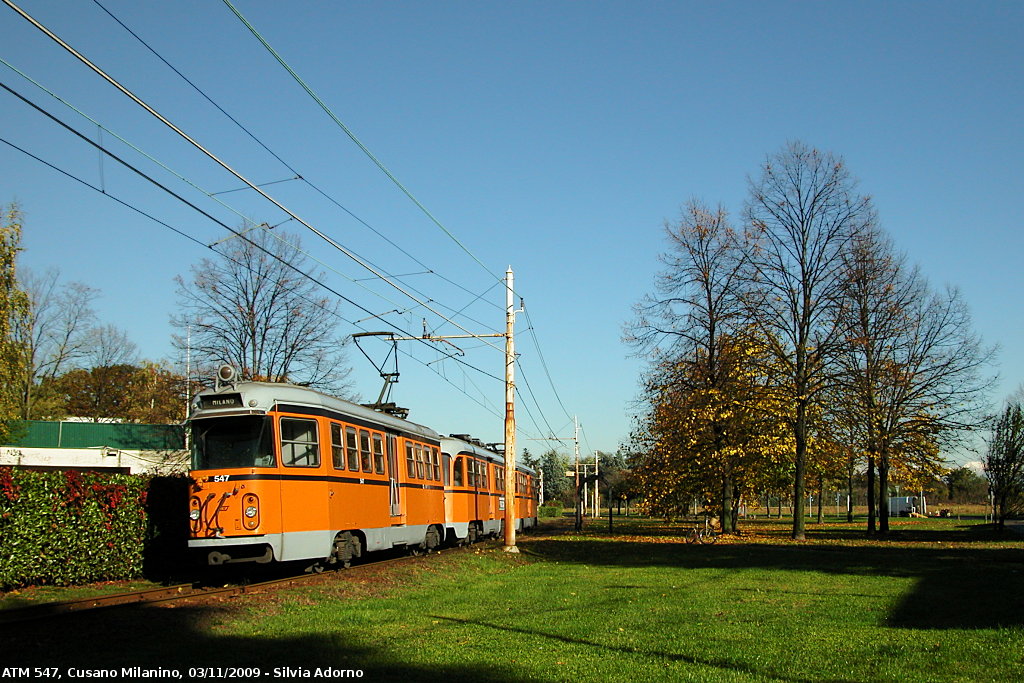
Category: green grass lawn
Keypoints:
(940, 600)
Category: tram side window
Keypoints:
(447, 469)
(420, 474)
(436, 463)
(337, 446)
(483, 474)
(364, 450)
(499, 475)
(299, 444)
(428, 462)
(457, 477)
(410, 461)
(378, 453)
(351, 449)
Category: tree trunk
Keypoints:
(821, 490)
(849, 496)
(871, 494)
(727, 503)
(800, 472)
(883, 493)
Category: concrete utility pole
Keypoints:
(510, 403)
(510, 416)
(577, 513)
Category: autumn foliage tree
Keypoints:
(805, 317)
(689, 327)
(12, 307)
(712, 445)
(148, 393)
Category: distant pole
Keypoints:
(577, 511)
(510, 416)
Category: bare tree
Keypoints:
(912, 365)
(879, 290)
(54, 331)
(805, 210)
(109, 346)
(1004, 463)
(257, 309)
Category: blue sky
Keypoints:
(557, 137)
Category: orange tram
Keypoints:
(282, 473)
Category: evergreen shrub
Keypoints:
(68, 527)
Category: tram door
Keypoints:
(396, 491)
(449, 499)
(304, 489)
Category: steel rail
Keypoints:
(180, 592)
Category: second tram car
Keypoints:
(282, 472)
(475, 491)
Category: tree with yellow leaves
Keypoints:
(710, 445)
(12, 305)
(687, 327)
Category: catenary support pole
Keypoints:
(510, 416)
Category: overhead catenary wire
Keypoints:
(179, 176)
(135, 98)
(308, 89)
(241, 235)
(298, 176)
(383, 277)
(204, 213)
(352, 136)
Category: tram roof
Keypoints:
(269, 394)
(455, 445)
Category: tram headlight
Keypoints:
(250, 511)
(193, 514)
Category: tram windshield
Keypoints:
(226, 442)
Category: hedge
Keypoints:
(548, 511)
(67, 527)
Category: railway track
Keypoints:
(176, 593)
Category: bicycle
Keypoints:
(706, 535)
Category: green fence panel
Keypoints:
(143, 437)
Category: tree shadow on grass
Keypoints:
(955, 587)
(723, 664)
(187, 637)
(963, 533)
